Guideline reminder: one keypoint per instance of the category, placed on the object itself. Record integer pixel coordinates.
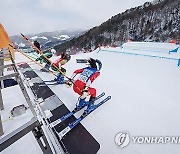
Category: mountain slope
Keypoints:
(157, 21)
(47, 39)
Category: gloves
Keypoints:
(85, 89)
(68, 84)
(37, 59)
(85, 93)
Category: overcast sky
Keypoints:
(34, 16)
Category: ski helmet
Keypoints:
(92, 63)
(63, 54)
(53, 51)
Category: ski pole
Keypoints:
(31, 59)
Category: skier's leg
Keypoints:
(81, 104)
(81, 100)
(78, 87)
(92, 92)
(91, 105)
(60, 77)
(45, 68)
(63, 70)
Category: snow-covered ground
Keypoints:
(145, 98)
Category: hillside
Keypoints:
(156, 21)
(47, 39)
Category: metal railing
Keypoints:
(33, 125)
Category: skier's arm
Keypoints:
(62, 62)
(99, 64)
(69, 83)
(77, 72)
(92, 78)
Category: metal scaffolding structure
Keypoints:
(33, 125)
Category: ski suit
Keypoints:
(44, 60)
(58, 63)
(87, 76)
(61, 61)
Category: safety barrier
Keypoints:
(138, 54)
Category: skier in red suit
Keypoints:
(58, 63)
(82, 84)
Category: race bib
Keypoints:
(85, 75)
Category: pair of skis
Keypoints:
(77, 121)
(54, 82)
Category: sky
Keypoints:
(35, 16)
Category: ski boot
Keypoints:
(46, 68)
(60, 78)
(82, 103)
(90, 106)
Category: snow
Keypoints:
(62, 37)
(21, 45)
(145, 97)
(12, 96)
(40, 37)
(11, 100)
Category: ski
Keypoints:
(81, 60)
(55, 81)
(63, 118)
(77, 121)
(52, 84)
(50, 80)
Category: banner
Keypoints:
(5, 41)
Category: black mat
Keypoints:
(78, 140)
(9, 83)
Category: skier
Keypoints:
(99, 46)
(48, 54)
(81, 85)
(65, 57)
(36, 44)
